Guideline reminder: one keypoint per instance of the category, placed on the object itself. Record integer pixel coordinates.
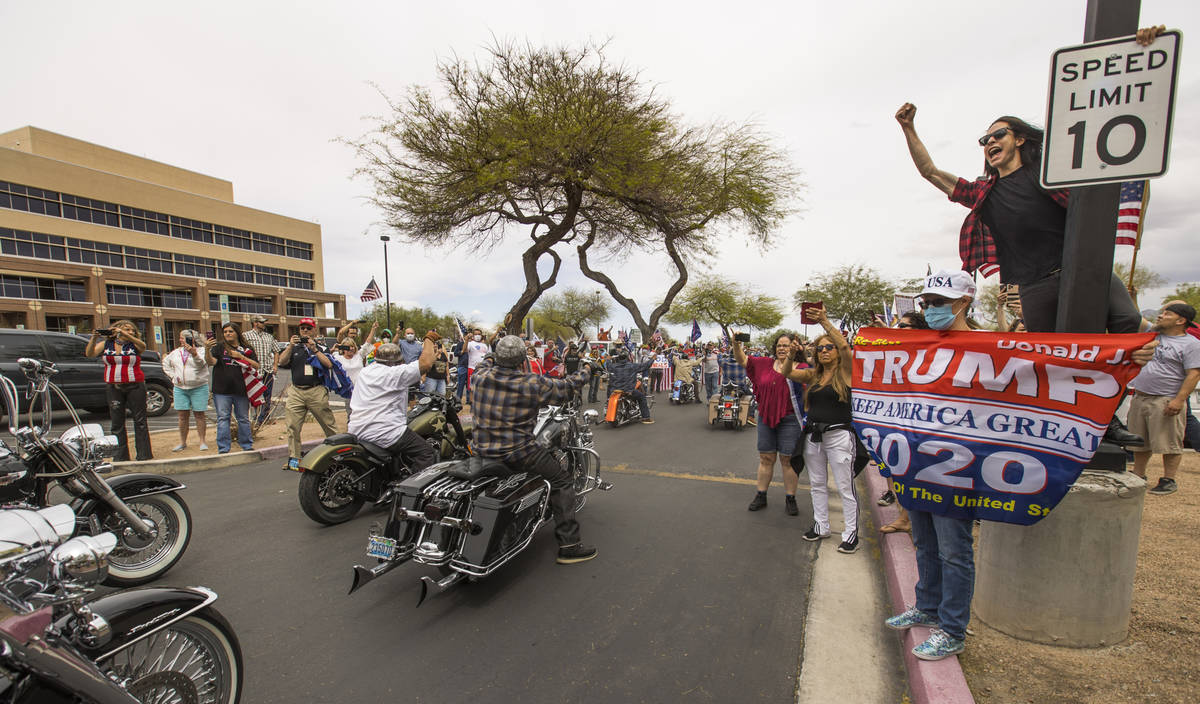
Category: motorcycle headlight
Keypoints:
(590, 416)
(83, 559)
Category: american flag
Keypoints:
(371, 292)
(695, 330)
(1129, 212)
(462, 329)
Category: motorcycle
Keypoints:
(729, 407)
(343, 472)
(623, 408)
(151, 521)
(470, 517)
(684, 391)
(152, 644)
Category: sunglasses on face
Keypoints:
(998, 135)
(825, 348)
(306, 327)
(927, 303)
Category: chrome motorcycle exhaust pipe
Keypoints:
(362, 575)
(440, 585)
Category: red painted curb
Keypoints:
(937, 682)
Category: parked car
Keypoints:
(80, 377)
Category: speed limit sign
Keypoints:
(1108, 117)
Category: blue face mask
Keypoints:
(940, 317)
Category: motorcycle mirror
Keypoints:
(83, 559)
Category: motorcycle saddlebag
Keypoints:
(508, 513)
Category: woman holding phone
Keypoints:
(829, 446)
(188, 370)
(233, 382)
(120, 347)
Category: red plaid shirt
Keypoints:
(976, 247)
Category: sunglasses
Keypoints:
(903, 326)
(927, 303)
(998, 135)
(825, 348)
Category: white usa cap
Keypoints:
(949, 284)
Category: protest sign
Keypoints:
(990, 426)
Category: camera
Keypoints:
(344, 348)
(304, 340)
(741, 336)
(189, 341)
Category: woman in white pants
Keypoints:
(829, 438)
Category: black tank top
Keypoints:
(825, 407)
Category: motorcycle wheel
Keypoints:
(584, 469)
(326, 499)
(195, 659)
(134, 561)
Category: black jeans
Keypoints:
(593, 386)
(641, 399)
(131, 398)
(416, 452)
(562, 490)
(1039, 306)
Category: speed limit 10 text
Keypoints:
(1114, 65)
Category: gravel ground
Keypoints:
(1159, 662)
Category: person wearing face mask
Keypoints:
(477, 349)
(410, 347)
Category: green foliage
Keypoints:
(850, 293)
(712, 299)
(766, 339)
(1186, 292)
(571, 312)
(1143, 278)
(421, 320)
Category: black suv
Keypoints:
(81, 378)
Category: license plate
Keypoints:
(381, 547)
(726, 415)
(675, 395)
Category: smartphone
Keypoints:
(209, 335)
(805, 307)
(741, 336)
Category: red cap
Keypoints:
(308, 321)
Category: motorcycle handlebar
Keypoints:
(33, 367)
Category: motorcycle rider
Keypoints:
(505, 400)
(622, 376)
(683, 372)
(377, 408)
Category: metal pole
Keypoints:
(387, 286)
(1091, 226)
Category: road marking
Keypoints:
(623, 468)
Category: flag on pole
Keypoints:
(462, 329)
(695, 330)
(371, 292)
(1130, 212)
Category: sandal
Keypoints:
(897, 527)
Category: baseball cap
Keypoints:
(308, 321)
(259, 319)
(1184, 311)
(949, 284)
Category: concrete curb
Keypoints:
(937, 682)
(183, 465)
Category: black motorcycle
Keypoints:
(151, 521)
(342, 473)
(729, 407)
(470, 517)
(153, 644)
(684, 390)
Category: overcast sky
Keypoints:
(257, 92)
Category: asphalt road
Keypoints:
(692, 598)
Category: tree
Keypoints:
(1186, 292)
(720, 176)
(533, 138)
(420, 320)
(573, 310)
(723, 302)
(850, 293)
(1143, 279)
(764, 340)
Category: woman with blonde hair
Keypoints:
(829, 446)
(189, 374)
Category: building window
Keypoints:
(187, 265)
(148, 260)
(302, 309)
(30, 287)
(242, 304)
(119, 295)
(65, 205)
(99, 253)
(235, 271)
(269, 276)
(32, 244)
(300, 279)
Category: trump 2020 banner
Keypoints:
(982, 425)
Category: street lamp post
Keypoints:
(387, 288)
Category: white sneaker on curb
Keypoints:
(203, 446)
(179, 448)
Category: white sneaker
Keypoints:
(203, 447)
(178, 448)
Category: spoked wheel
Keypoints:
(196, 659)
(139, 559)
(586, 470)
(334, 496)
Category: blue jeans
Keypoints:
(460, 389)
(642, 404)
(240, 405)
(710, 383)
(434, 386)
(945, 569)
(1191, 430)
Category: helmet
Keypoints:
(388, 354)
(510, 351)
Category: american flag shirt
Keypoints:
(505, 404)
(123, 367)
